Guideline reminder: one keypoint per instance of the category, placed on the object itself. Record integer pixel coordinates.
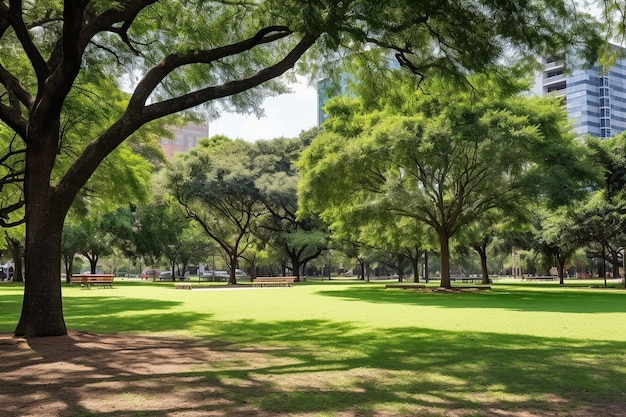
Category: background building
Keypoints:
(184, 139)
(595, 99)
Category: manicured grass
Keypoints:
(356, 346)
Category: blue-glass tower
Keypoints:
(595, 99)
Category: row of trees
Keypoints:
(226, 197)
(395, 176)
(64, 67)
(416, 170)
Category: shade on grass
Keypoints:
(358, 346)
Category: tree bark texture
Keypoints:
(481, 249)
(444, 243)
(42, 308)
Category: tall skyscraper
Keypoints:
(595, 99)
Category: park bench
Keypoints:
(539, 278)
(273, 281)
(182, 285)
(87, 280)
(466, 280)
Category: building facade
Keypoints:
(595, 99)
(185, 138)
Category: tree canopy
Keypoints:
(174, 56)
(444, 158)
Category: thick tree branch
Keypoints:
(21, 31)
(6, 211)
(14, 86)
(136, 115)
(157, 73)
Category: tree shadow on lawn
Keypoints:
(110, 314)
(311, 367)
(566, 300)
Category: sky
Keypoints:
(285, 116)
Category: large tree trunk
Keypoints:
(444, 243)
(616, 263)
(69, 265)
(416, 269)
(481, 249)
(42, 308)
(413, 254)
(561, 260)
(295, 264)
(232, 278)
(93, 262)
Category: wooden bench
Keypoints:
(465, 280)
(87, 280)
(181, 285)
(539, 278)
(273, 281)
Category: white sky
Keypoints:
(285, 116)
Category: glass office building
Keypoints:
(595, 99)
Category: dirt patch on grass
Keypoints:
(84, 374)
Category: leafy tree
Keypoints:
(610, 198)
(557, 237)
(180, 244)
(159, 231)
(121, 225)
(194, 247)
(300, 238)
(489, 228)
(217, 186)
(71, 242)
(603, 223)
(179, 55)
(444, 158)
(94, 241)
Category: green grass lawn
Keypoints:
(521, 346)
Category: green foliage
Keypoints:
(444, 158)
(61, 59)
(298, 240)
(216, 185)
(557, 237)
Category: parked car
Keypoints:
(216, 275)
(165, 275)
(149, 274)
(6, 271)
(241, 275)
